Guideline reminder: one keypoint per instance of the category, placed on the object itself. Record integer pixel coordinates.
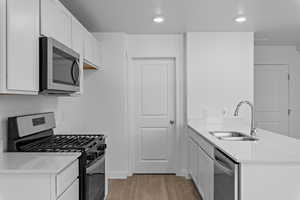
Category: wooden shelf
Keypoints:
(87, 66)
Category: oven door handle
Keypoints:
(222, 167)
(96, 168)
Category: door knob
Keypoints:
(172, 122)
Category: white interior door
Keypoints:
(154, 115)
(271, 90)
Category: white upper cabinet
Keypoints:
(22, 22)
(77, 36)
(92, 51)
(98, 54)
(19, 65)
(88, 47)
(56, 21)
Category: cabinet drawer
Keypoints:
(65, 178)
(205, 145)
(72, 193)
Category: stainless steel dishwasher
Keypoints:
(226, 178)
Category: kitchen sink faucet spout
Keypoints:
(236, 113)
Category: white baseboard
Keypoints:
(118, 174)
(183, 173)
(125, 174)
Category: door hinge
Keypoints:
(289, 111)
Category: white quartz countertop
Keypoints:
(270, 148)
(46, 163)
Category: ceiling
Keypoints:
(273, 21)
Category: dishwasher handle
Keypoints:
(222, 167)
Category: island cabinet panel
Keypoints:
(56, 21)
(25, 186)
(63, 185)
(201, 164)
(274, 181)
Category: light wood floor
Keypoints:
(152, 187)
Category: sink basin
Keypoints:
(232, 136)
(227, 134)
(247, 138)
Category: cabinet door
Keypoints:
(56, 21)
(72, 193)
(22, 45)
(190, 157)
(96, 52)
(205, 175)
(194, 162)
(99, 54)
(88, 47)
(77, 36)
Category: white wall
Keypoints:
(165, 46)
(14, 105)
(219, 72)
(288, 55)
(102, 105)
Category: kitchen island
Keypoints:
(36, 176)
(268, 168)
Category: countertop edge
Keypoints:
(242, 161)
(41, 171)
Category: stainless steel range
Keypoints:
(34, 133)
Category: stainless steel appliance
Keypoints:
(59, 68)
(226, 177)
(34, 133)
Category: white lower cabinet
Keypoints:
(41, 185)
(205, 175)
(71, 193)
(201, 165)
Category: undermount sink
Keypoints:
(232, 136)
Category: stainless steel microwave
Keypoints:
(59, 68)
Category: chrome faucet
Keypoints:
(236, 113)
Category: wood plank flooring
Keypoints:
(152, 187)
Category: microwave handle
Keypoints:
(74, 65)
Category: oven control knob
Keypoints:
(102, 147)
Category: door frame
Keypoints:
(179, 111)
(134, 113)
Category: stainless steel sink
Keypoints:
(232, 136)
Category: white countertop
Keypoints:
(49, 163)
(270, 148)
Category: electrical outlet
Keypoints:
(224, 112)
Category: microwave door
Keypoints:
(64, 71)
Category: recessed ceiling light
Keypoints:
(240, 19)
(158, 19)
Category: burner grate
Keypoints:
(63, 143)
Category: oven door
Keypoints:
(60, 68)
(226, 186)
(95, 180)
